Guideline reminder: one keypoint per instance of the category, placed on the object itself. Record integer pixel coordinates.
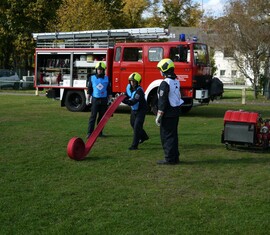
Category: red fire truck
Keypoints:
(64, 61)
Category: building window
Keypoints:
(222, 72)
(234, 72)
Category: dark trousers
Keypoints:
(169, 138)
(98, 108)
(136, 121)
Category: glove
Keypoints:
(88, 100)
(118, 94)
(158, 118)
(110, 102)
(125, 100)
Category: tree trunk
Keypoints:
(255, 92)
(266, 89)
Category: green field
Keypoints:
(115, 191)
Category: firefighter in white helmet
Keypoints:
(136, 99)
(99, 94)
(169, 102)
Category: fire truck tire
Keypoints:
(185, 109)
(75, 101)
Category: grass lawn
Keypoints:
(117, 191)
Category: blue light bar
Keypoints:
(182, 37)
(195, 39)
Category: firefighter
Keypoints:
(99, 95)
(136, 99)
(169, 102)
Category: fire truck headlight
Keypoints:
(264, 130)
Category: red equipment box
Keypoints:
(245, 128)
(241, 116)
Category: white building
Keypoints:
(227, 70)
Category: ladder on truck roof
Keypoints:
(97, 38)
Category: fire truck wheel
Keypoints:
(185, 109)
(75, 101)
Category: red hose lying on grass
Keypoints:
(77, 149)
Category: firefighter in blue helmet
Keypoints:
(169, 102)
(136, 99)
(99, 94)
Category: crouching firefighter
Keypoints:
(136, 99)
(169, 102)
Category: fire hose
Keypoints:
(77, 149)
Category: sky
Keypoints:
(210, 7)
(213, 6)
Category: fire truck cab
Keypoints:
(65, 61)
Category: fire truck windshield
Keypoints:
(181, 53)
(200, 55)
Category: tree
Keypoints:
(78, 15)
(266, 77)
(181, 13)
(18, 20)
(5, 37)
(133, 11)
(115, 10)
(244, 30)
(153, 18)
